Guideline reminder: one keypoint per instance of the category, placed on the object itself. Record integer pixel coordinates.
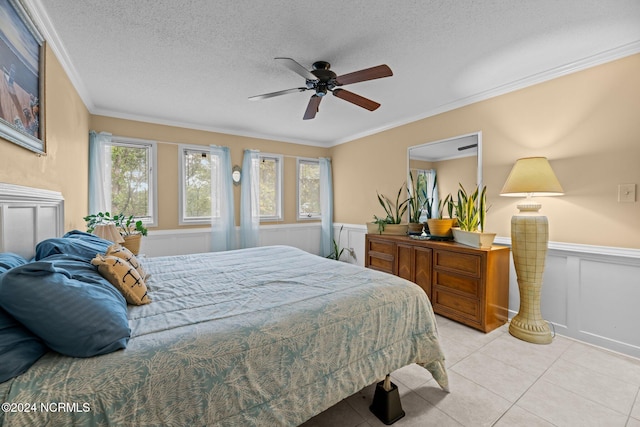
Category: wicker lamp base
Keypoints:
(529, 239)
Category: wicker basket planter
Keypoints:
(132, 242)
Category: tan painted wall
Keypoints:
(451, 173)
(65, 166)
(586, 123)
(168, 160)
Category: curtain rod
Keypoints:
(206, 146)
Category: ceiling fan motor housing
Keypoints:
(326, 78)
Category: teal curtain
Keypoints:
(99, 172)
(250, 200)
(223, 232)
(326, 207)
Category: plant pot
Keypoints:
(396, 229)
(440, 227)
(372, 228)
(415, 228)
(132, 242)
(474, 239)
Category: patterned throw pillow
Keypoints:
(124, 277)
(124, 253)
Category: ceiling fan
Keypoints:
(322, 80)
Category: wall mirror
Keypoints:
(454, 161)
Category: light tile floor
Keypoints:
(498, 380)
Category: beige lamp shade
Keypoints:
(108, 232)
(532, 176)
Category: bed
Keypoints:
(262, 336)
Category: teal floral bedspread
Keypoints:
(267, 336)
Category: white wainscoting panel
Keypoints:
(302, 236)
(196, 240)
(589, 293)
(176, 242)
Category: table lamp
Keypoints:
(531, 176)
(108, 232)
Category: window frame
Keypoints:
(182, 220)
(299, 161)
(152, 146)
(279, 158)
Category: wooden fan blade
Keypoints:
(363, 75)
(280, 92)
(353, 98)
(296, 68)
(312, 107)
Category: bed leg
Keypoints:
(386, 402)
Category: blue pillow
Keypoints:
(65, 302)
(87, 237)
(9, 260)
(19, 348)
(77, 243)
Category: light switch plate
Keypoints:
(626, 193)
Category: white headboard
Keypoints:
(27, 216)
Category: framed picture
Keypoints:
(22, 78)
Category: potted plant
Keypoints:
(130, 229)
(392, 223)
(471, 211)
(336, 251)
(439, 226)
(417, 202)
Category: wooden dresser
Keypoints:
(465, 284)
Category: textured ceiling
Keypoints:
(194, 63)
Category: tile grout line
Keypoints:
(529, 388)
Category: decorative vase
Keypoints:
(474, 239)
(440, 227)
(132, 242)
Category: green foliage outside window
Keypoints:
(269, 187)
(309, 189)
(130, 180)
(197, 176)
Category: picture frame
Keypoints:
(22, 82)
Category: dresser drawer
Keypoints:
(455, 261)
(455, 306)
(458, 283)
(381, 256)
(382, 247)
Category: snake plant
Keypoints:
(471, 209)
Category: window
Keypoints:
(195, 184)
(270, 187)
(308, 189)
(133, 179)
